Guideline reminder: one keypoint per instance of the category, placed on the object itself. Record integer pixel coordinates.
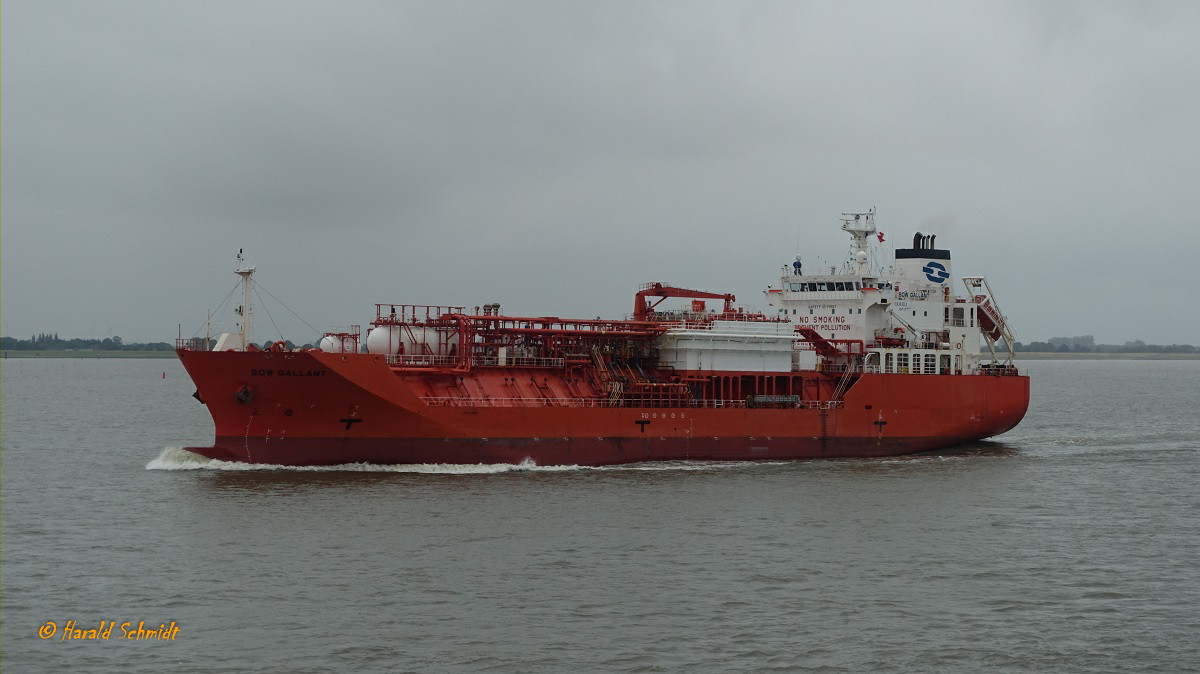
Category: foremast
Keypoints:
(246, 310)
(240, 340)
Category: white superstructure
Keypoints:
(906, 315)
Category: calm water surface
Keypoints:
(1071, 543)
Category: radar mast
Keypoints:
(860, 226)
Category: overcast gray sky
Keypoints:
(553, 155)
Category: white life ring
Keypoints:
(958, 346)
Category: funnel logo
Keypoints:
(934, 271)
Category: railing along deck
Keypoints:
(448, 401)
(422, 360)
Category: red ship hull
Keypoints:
(317, 408)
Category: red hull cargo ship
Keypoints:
(875, 358)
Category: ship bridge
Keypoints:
(908, 305)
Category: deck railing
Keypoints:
(422, 360)
(192, 343)
(494, 361)
(427, 360)
(449, 401)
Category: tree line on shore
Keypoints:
(48, 341)
(1087, 344)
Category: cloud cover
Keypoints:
(553, 155)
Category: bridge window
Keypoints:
(839, 286)
(930, 363)
(887, 362)
(902, 363)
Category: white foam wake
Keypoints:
(176, 458)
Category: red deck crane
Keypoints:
(642, 308)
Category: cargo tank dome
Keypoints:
(385, 339)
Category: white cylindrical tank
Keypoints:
(413, 339)
(335, 344)
(443, 341)
(419, 340)
(385, 339)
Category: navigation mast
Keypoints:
(246, 310)
(860, 226)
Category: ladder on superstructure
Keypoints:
(832, 354)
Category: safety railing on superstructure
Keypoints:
(510, 361)
(869, 368)
(422, 360)
(400, 314)
(449, 401)
(193, 344)
(712, 327)
(703, 320)
(999, 370)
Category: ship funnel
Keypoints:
(923, 265)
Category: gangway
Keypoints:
(992, 322)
